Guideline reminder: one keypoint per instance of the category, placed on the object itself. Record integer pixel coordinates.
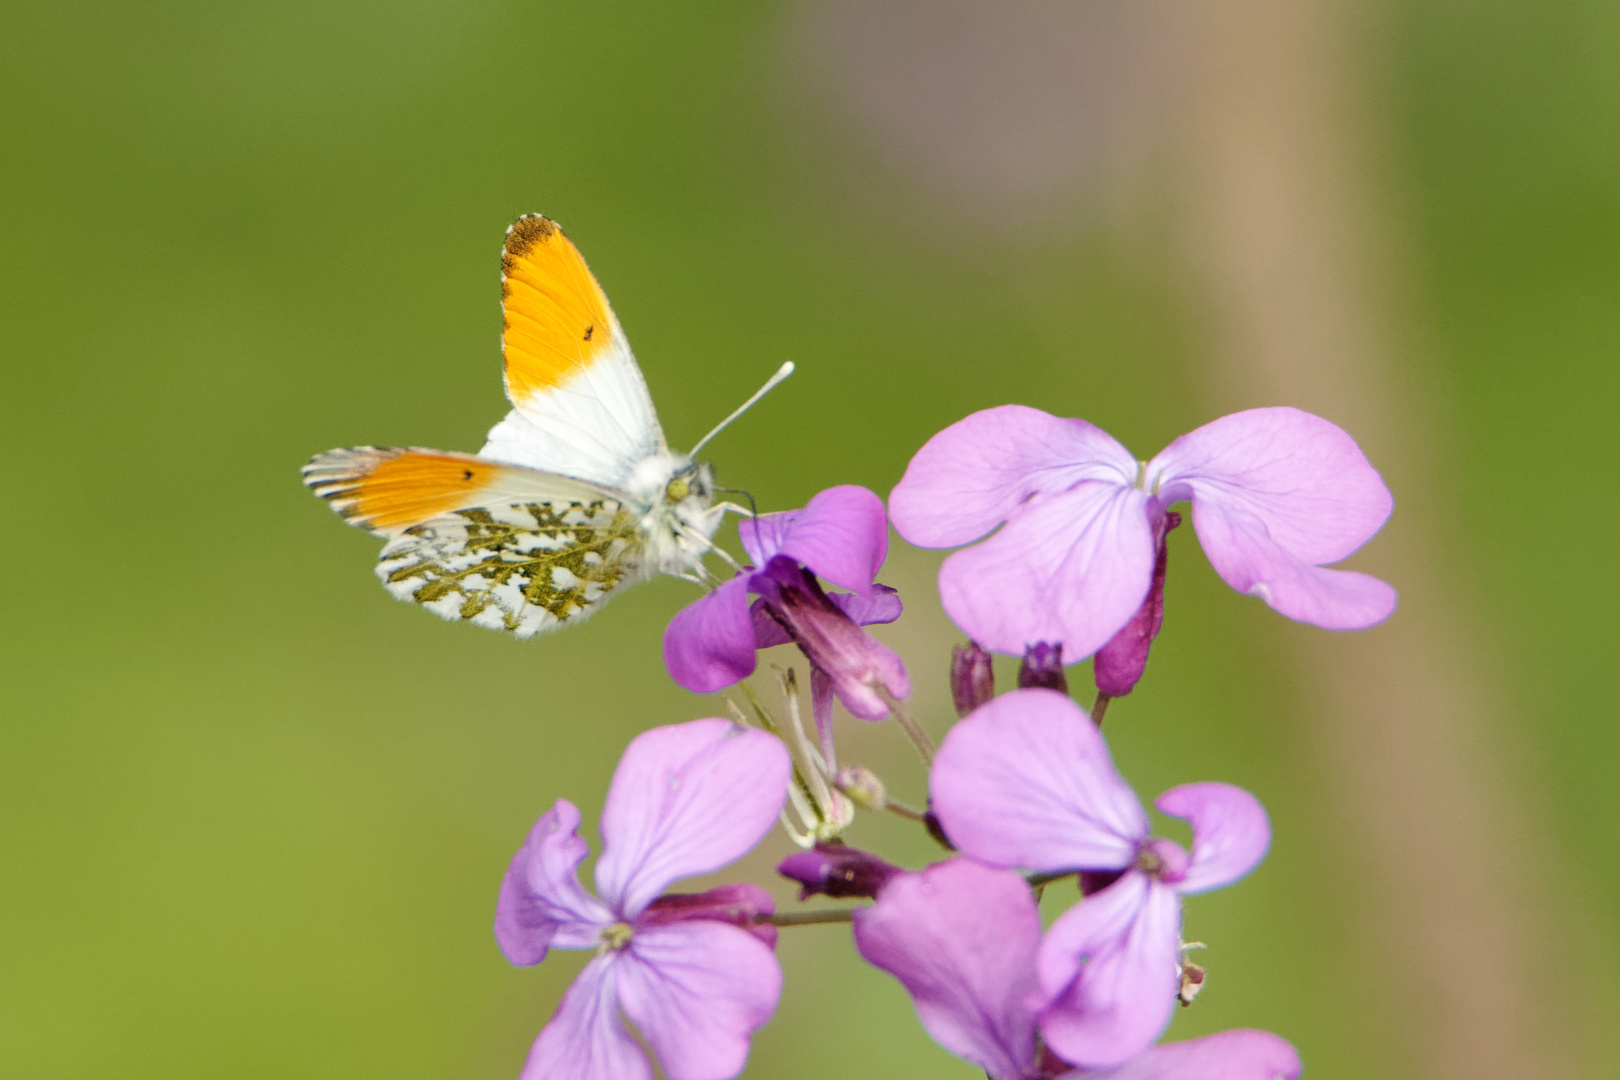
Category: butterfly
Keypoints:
(575, 493)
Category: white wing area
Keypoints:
(597, 426)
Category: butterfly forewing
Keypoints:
(522, 568)
(580, 405)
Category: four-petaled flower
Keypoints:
(963, 940)
(694, 973)
(1276, 494)
(1026, 781)
(841, 535)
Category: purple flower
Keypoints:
(692, 972)
(963, 940)
(1026, 781)
(1276, 494)
(843, 536)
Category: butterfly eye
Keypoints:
(678, 489)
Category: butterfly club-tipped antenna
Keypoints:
(770, 384)
(753, 507)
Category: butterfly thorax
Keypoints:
(676, 496)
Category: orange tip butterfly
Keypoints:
(575, 493)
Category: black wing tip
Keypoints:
(527, 232)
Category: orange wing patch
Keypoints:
(386, 490)
(557, 317)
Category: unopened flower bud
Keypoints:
(973, 682)
(1043, 667)
(1120, 663)
(1095, 881)
(739, 904)
(862, 786)
(837, 871)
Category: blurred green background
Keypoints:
(254, 812)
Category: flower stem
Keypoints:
(1100, 707)
(808, 918)
(902, 810)
(903, 717)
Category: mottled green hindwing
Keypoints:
(524, 568)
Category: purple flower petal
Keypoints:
(1277, 493)
(961, 938)
(686, 799)
(881, 605)
(1247, 559)
(696, 991)
(1026, 780)
(1070, 568)
(542, 903)
(1230, 832)
(585, 1039)
(1240, 1054)
(767, 631)
(975, 474)
(1108, 972)
(841, 534)
(709, 644)
(857, 663)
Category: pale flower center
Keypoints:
(616, 937)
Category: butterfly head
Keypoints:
(677, 497)
(693, 480)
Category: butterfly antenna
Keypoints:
(753, 508)
(770, 384)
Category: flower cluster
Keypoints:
(1064, 539)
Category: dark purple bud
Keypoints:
(1095, 881)
(735, 904)
(1120, 663)
(973, 682)
(1043, 668)
(937, 831)
(837, 871)
(1048, 1065)
(860, 667)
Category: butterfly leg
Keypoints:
(697, 536)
